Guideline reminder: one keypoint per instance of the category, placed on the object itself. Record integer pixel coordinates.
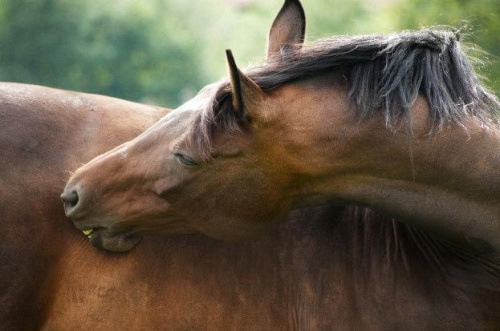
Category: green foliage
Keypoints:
(163, 51)
(119, 49)
(34, 37)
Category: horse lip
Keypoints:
(89, 231)
(125, 240)
(84, 227)
(93, 231)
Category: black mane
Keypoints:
(385, 73)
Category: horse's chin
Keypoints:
(115, 242)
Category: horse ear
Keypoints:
(288, 30)
(246, 93)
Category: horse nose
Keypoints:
(71, 199)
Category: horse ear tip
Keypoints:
(230, 59)
(229, 55)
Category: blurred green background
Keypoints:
(163, 51)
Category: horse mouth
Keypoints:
(88, 233)
(104, 239)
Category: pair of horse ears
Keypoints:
(286, 36)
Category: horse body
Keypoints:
(325, 268)
(45, 133)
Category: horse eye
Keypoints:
(185, 160)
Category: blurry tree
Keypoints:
(37, 40)
(327, 18)
(117, 48)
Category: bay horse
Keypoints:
(397, 123)
(329, 267)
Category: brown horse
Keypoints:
(399, 123)
(330, 267)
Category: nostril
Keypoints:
(70, 200)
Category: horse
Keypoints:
(327, 267)
(396, 123)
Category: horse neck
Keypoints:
(448, 181)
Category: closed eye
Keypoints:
(185, 160)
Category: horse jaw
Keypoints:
(118, 243)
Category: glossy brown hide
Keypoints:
(44, 134)
(324, 268)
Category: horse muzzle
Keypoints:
(101, 233)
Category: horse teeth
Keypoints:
(88, 232)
